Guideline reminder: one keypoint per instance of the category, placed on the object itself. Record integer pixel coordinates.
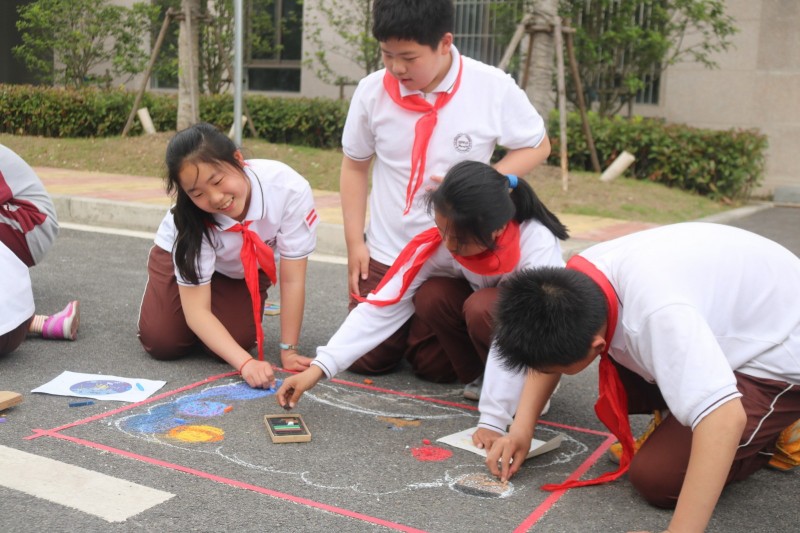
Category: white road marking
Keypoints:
(320, 258)
(108, 231)
(109, 498)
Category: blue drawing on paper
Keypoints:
(98, 387)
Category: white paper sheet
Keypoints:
(101, 387)
(463, 440)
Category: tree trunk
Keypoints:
(539, 86)
(188, 65)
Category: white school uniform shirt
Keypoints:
(699, 301)
(369, 325)
(16, 294)
(488, 109)
(282, 214)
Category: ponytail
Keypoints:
(529, 206)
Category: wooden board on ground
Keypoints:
(9, 399)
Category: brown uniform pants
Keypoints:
(163, 331)
(659, 467)
(448, 337)
(10, 340)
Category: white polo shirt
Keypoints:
(368, 325)
(488, 109)
(16, 294)
(283, 215)
(697, 301)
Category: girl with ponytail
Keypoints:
(442, 287)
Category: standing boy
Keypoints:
(699, 320)
(428, 109)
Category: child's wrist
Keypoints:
(245, 364)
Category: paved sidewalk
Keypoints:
(138, 203)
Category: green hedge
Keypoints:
(91, 112)
(720, 164)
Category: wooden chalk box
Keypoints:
(287, 428)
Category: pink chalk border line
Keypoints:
(525, 525)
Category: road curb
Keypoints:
(109, 213)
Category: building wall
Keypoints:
(757, 85)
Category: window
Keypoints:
(483, 28)
(274, 53)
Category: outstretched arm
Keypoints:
(196, 303)
(509, 452)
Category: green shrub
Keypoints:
(91, 112)
(719, 164)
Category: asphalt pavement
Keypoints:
(199, 450)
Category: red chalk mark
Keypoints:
(528, 523)
(431, 453)
(238, 484)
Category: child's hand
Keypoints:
(258, 374)
(291, 360)
(357, 266)
(294, 386)
(507, 454)
(484, 438)
(437, 180)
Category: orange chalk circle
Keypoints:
(196, 434)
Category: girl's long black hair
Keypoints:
(200, 143)
(474, 197)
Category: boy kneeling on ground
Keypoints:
(698, 320)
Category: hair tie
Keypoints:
(512, 180)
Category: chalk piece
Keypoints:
(81, 404)
(9, 399)
(368, 381)
(481, 485)
(228, 409)
(139, 386)
(287, 428)
(2, 420)
(426, 441)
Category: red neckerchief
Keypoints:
(255, 252)
(423, 129)
(502, 260)
(612, 402)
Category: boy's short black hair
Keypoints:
(423, 21)
(547, 317)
